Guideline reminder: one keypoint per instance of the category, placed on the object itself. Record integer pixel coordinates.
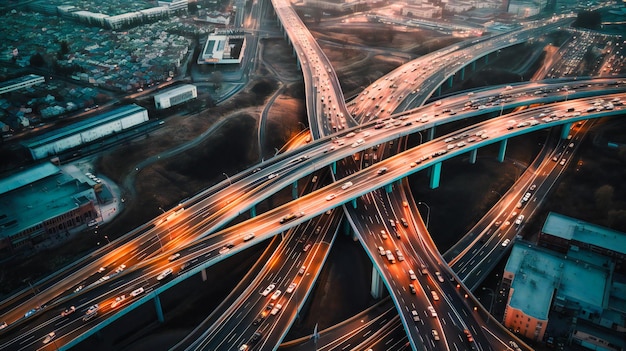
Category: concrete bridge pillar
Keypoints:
(430, 135)
(473, 66)
(435, 175)
(204, 275)
(333, 167)
(353, 203)
(294, 190)
(463, 73)
(159, 309)
(450, 81)
(502, 151)
(389, 188)
(377, 284)
(439, 91)
(487, 59)
(253, 211)
(565, 131)
(472, 157)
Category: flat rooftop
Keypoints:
(174, 91)
(78, 127)
(575, 229)
(541, 274)
(42, 199)
(28, 176)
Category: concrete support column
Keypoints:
(450, 81)
(203, 274)
(333, 167)
(439, 91)
(565, 131)
(502, 151)
(294, 190)
(473, 66)
(377, 284)
(347, 229)
(472, 157)
(430, 135)
(253, 211)
(159, 310)
(388, 188)
(487, 59)
(435, 175)
(463, 73)
(353, 203)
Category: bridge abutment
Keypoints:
(565, 131)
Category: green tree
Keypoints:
(37, 60)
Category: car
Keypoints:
(405, 204)
(276, 294)
(302, 270)
(383, 234)
(412, 289)
(243, 347)
(346, 185)
(68, 311)
(255, 337)
(431, 309)
(412, 275)
(381, 251)
(533, 187)
(562, 163)
(49, 337)
(173, 257)
(435, 295)
(314, 179)
(412, 164)
(330, 197)
(555, 158)
(224, 250)
(30, 312)
(306, 247)
(439, 276)
(118, 300)
(276, 309)
(400, 255)
(120, 268)
(164, 274)
(415, 315)
(271, 176)
(519, 219)
(404, 222)
(268, 289)
(382, 170)
(435, 335)
(79, 288)
(498, 223)
(291, 288)
(101, 269)
(136, 292)
(469, 336)
(248, 237)
(257, 321)
(91, 312)
(3, 325)
(506, 242)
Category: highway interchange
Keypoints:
(190, 228)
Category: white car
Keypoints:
(136, 292)
(173, 257)
(49, 337)
(224, 250)
(346, 185)
(412, 275)
(118, 301)
(519, 219)
(506, 242)
(381, 251)
(330, 197)
(302, 270)
(416, 316)
(164, 274)
(276, 294)
(439, 277)
(276, 309)
(268, 289)
(291, 288)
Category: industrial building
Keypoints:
(44, 202)
(223, 49)
(20, 83)
(86, 131)
(581, 283)
(175, 96)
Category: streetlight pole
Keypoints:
(227, 178)
(427, 214)
(106, 237)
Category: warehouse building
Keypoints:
(20, 83)
(175, 96)
(86, 131)
(41, 203)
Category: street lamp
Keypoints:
(228, 178)
(427, 214)
(106, 237)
